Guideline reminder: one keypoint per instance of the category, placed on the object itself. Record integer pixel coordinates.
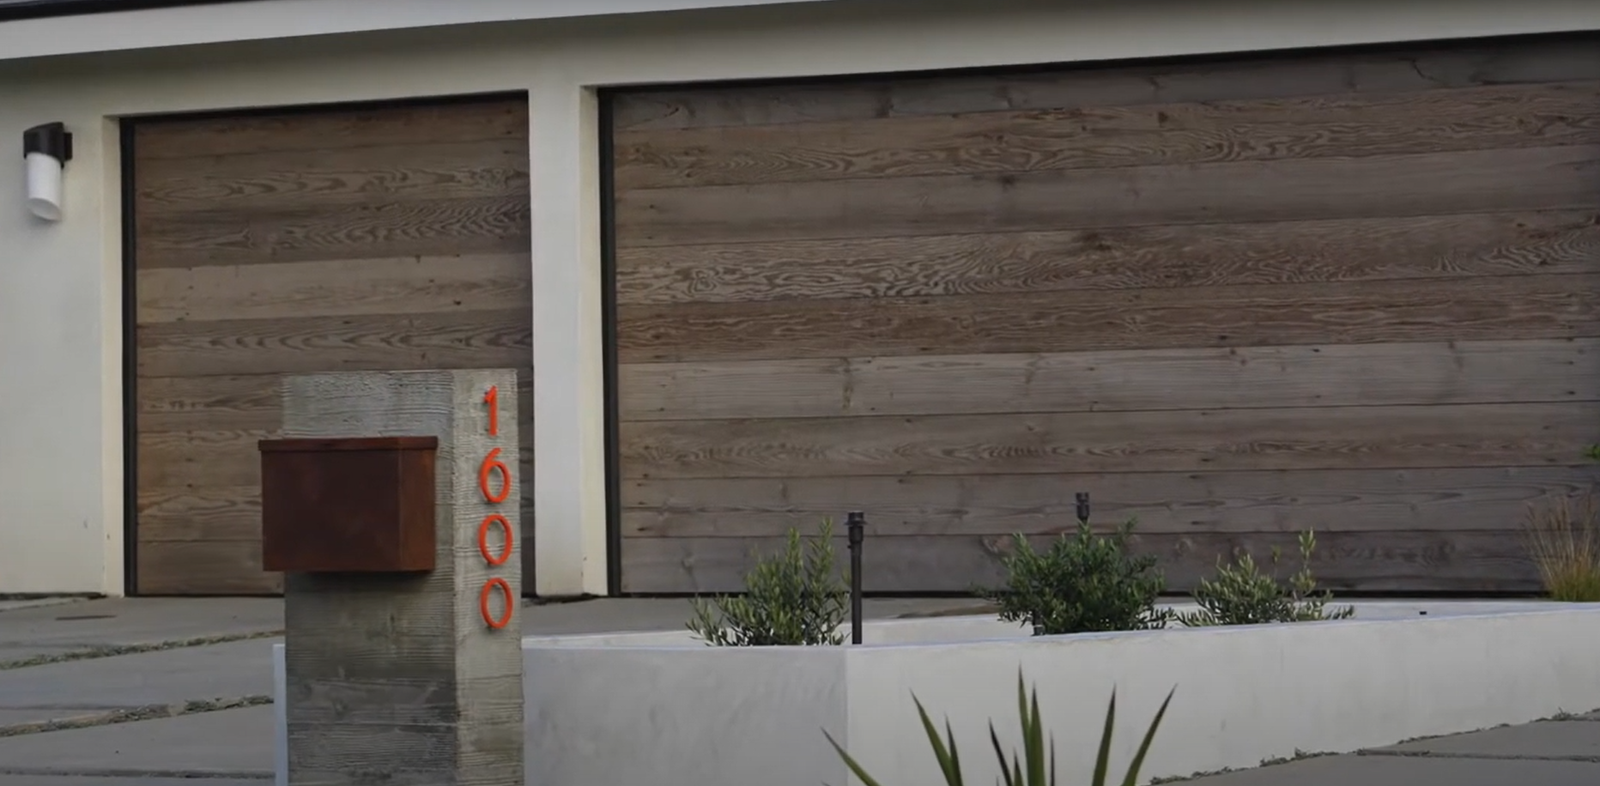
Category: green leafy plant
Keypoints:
(1563, 538)
(1243, 595)
(793, 598)
(1083, 583)
(1036, 765)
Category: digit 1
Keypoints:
(492, 398)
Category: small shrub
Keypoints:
(793, 598)
(1564, 542)
(1083, 583)
(1036, 766)
(1242, 595)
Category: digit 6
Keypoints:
(490, 463)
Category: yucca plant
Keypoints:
(1036, 766)
(1563, 539)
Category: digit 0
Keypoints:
(489, 465)
(483, 539)
(505, 595)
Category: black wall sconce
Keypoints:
(46, 149)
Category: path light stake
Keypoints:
(1083, 506)
(856, 523)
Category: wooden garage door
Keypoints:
(1351, 292)
(340, 240)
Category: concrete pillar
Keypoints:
(399, 678)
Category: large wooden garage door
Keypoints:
(352, 239)
(1351, 292)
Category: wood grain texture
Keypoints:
(353, 239)
(1472, 435)
(1509, 307)
(1409, 560)
(220, 403)
(355, 343)
(313, 232)
(1249, 77)
(1345, 290)
(357, 287)
(179, 459)
(210, 403)
(266, 181)
(1101, 136)
(1298, 252)
(1468, 372)
(204, 567)
(1492, 498)
(1540, 178)
(341, 128)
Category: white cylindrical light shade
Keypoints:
(44, 186)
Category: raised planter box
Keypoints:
(662, 708)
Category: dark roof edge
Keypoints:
(13, 10)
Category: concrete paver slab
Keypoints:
(30, 603)
(229, 743)
(115, 621)
(232, 670)
(1548, 740)
(1409, 771)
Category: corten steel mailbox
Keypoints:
(361, 505)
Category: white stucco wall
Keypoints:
(60, 387)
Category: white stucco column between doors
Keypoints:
(569, 400)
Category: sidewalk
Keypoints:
(176, 692)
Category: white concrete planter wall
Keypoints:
(663, 710)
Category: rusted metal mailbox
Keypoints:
(361, 505)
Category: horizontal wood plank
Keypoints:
(333, 288)
(214, 403)
(206, 511)
(1468, 372)
(1265, 76)
(204, 567)
(1080, 137)
(1417, 247)
(1476, 561)
(300, 234)
(372, 175)
(496, 119)
(1541, 178)
(480, 339)
(1476, 435)
(244, 402)
(200, 459)
(1469, 309)
(1491, 498)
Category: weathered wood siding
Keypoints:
(1351, 292)
(343, 240)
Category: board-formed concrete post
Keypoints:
(412, 677)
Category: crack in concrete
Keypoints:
(1490, 756)
(130, 715)
(114, 650)
(253, 775)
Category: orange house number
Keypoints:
(492, 464)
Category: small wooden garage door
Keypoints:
(1350, 292)
(338, 240)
